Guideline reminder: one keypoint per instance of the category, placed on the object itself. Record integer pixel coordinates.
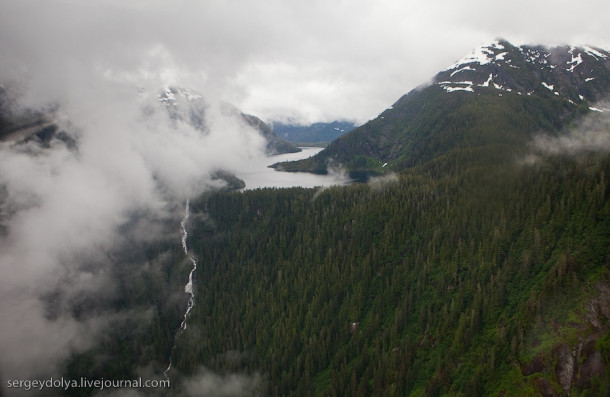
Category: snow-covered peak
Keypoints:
(169, 95)
(572, 73)
(482, 55)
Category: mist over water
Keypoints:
(259, 175)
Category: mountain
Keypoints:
(187, 105)
(275, 144)
(182, 105)
(313, 133)
(479, 266)
(500, 94)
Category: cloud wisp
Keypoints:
(69, 214)
(590, 135)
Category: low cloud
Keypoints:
(207, 383)
(203, 383)
(70, 214)
(590, 135)
(582, 142)
(381, 182)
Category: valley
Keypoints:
(456, 244)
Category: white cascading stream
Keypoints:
(188, 288)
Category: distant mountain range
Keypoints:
(500, 94)
(181, 104)
(313, 133)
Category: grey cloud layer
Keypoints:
(318, 60)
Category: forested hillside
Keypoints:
(499, 94)
(475, 274)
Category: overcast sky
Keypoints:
(314, 60)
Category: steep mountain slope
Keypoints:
(498, 95)
(275, 144)
(186, 105)
(313, 133)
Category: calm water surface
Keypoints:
(260, 175)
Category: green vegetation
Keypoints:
(453, 282)
(426, 124)
(474, 273)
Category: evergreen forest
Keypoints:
(471, 281)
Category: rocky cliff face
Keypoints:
(580, 356)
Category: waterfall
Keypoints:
(188, 288)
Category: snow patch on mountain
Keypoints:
(536, 56)
(169, 95)
(500, 56)
(594, 53)
(452, 86)
(462, 70)
(565, 71)
(576, 60)
(550, 87)
(482, 56)
(489, 80)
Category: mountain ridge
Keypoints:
(187, 105)
(530, 89)
(181, 104)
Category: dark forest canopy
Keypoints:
(473, 281)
